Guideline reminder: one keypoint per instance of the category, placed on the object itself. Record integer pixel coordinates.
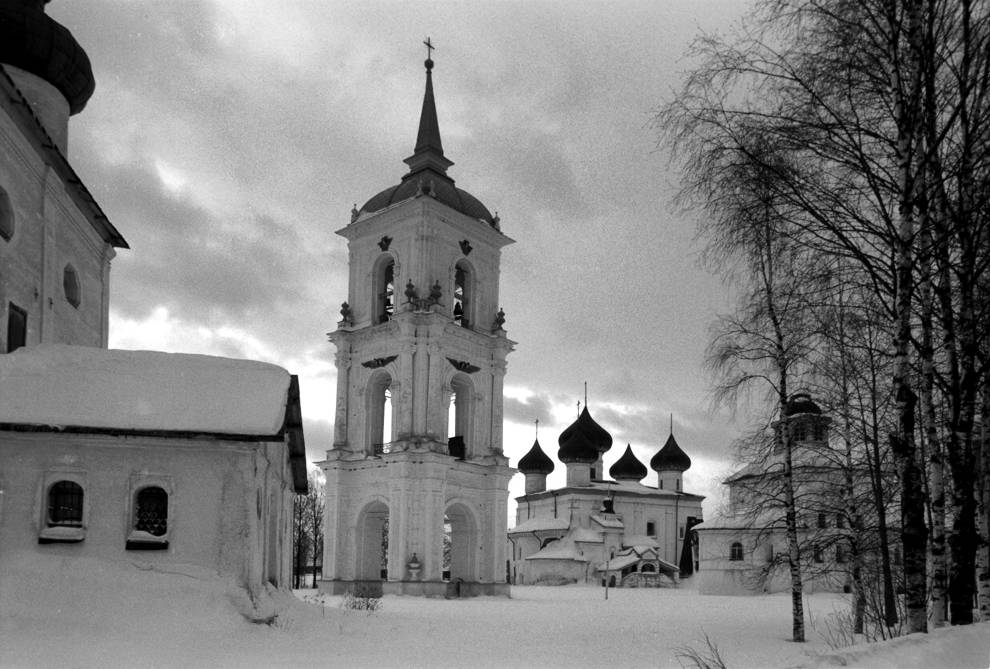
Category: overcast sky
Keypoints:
(227, 141)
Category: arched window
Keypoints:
(149, 520)
(736, 552)
(65, 504)
(379, 413)
(384, 289)
(6, 216)
(459, 416)
(151, 511)
(70, 285)
(463, 290)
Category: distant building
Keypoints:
(595, 530)
(416, 481)
(170, 459)
(743, 549)
(56, 243)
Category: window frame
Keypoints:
(8, 221)
(50, 532)
(140, 540)
(71, 285)
(736, 552)
(23, 333)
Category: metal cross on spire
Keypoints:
(537, 421)
(429, 48)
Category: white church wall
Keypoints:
(49, 233)
(224, 511)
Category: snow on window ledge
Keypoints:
(63, 534)
(139, 540)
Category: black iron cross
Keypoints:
(429, 48)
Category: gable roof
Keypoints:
(86, 389)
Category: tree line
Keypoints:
(839, 151)
(307, 532)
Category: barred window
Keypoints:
(736, 552)
(151, 511)
(65, 504)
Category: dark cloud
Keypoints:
(535, 407)
(276, 119)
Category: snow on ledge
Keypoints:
(80, 386)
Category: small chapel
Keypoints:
(615, 531)
(416, 481)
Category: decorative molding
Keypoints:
(462, 366)
(376, 363)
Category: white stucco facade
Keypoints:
(421, 357)
(55, 243)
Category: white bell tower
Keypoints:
(417, 450)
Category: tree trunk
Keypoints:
(906, 88)
(983, 513)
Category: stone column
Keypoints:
(340, 425)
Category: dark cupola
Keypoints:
(46, 63)
(806, 423)
(535, 465)
(669, 463)
(578, 453)
(428, 170)
(801, 403)
(628, 467)
(595, 435)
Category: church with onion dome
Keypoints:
(617, 531)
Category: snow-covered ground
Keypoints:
(99, 618)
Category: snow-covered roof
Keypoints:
(618, 563)
(80, 386)
(640, 541)
(585, 535)
(559, 550)
(607, 520)
(614, 488)
(540, 524)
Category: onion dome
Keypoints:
(592, 431)
(34, 42)
(535, 461)
(628, 467)
(801, 403)
(428, 170)
(576, 447)
(670, 458)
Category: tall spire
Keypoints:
(429, 149)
